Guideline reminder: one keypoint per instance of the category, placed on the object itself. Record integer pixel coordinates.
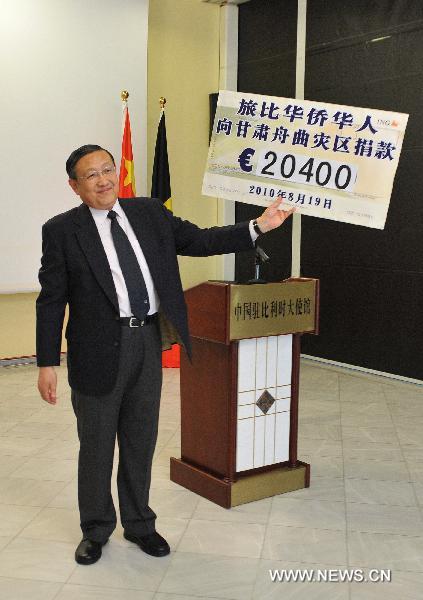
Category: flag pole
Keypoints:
(124, 95)
(162, 102)
(126, 171)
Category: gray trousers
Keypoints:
(131, 413)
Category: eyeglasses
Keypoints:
(94, 175)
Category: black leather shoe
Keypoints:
(152, 543)
(88, 552)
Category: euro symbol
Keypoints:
(244, 159)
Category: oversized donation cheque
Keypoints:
(330, 161)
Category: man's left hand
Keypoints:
(274, 217)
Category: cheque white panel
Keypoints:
(284, 366)
(259, 427)
(282, 437)
(246, 365)
(272, 355)
(261, 363)
(245, 445)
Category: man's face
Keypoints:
(96, 181)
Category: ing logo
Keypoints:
(387, 123)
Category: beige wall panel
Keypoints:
(17, 325)
(183, 66)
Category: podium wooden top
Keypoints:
(224, 311)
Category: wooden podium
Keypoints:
(239, 395)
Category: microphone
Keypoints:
(260, 258)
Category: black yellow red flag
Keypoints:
(160, 188)
(160, 181)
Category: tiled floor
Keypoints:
(362, 435)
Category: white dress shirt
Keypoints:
(103, 225)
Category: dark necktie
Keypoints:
(135, 284)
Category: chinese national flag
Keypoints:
(126, 175)
(160, 188)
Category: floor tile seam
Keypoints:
(28, 458)
(229, 521)
(266, 529)
(33, 538)
(59, 591)
(376, 460)
(169, 562)
(387, 480)
(8, 429)
(157, 597)
(353, 502)
(5, 436)
(411, 447)
(52, 459)
(12, 405)
(391, 533)
(224, 522)
(382, 504)
(317, 457)
(18, 534)
(320, 439)
(188, 521)
(297, 499)
(256, 574)
(27, 437)
(42, 506)
(53, 480)
(24, 505)
(96, 585)
(347, 556)
(219, 556)
(31, 579)
(172, 559)
(307, 528)
(328, 439)
(371, 460)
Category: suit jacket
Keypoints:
(75, 271)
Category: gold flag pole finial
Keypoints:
(162, 102)
(124, 95)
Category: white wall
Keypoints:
(63, 64)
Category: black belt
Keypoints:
(134, 322)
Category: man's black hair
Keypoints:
(78, 154)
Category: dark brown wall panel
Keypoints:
(371, 280)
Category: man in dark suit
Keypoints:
(114, 262)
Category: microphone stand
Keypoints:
(260, 258)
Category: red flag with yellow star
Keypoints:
(126, 175)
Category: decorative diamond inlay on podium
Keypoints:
(265, 401)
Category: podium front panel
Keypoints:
(263, 401)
